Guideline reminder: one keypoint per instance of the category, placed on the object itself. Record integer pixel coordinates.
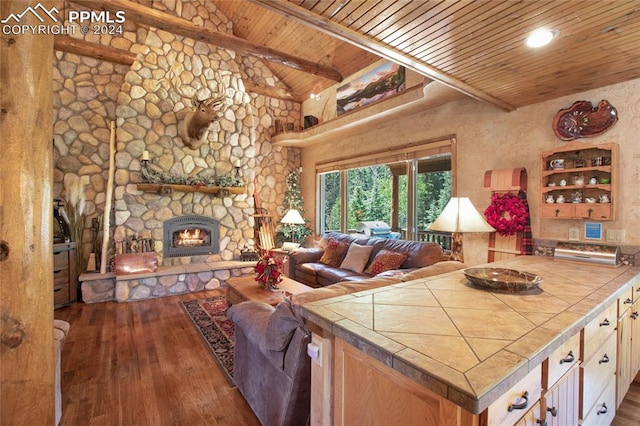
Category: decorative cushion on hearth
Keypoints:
(385, 260)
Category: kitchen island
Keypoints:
(442, 351)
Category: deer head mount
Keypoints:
(195, 126)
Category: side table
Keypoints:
(246, 288)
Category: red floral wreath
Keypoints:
(507, 213)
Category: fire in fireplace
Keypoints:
(190, 236)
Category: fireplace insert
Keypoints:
(190, 236)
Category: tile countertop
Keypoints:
(466, 344)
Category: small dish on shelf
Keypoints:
(502, 279)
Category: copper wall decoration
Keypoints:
(582, 120)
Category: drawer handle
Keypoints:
(604, 360)
(634, 315)
(58, 271)
(557, 212)
(603, 410)
(605, 323)
(553, 411)
(569, 358)
(628, 301)
(522, 405)
(541, 422)
(55, 290)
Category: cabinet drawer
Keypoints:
(593, 211)
(532, 417)
(604, 410)
(60, 260)
(498, 413)
(557, 211)
(561, 360)
(596, 373)
(61, 293)
(598, 330)
(60, 278)
(625, 301)
(636, 290)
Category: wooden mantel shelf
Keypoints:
(412, 100)
(165, 189)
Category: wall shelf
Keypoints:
(415, 99)
(586, 154)
(166, 189)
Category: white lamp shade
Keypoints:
(459, 215)
(293, 217)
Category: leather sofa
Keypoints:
(308, 268)
(271, 366)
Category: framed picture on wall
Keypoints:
(380, 83)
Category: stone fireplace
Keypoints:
(190, 235)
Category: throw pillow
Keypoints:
(334, 253)
(356, 258)
(385, 260)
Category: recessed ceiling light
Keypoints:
(541, 37)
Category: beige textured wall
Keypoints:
(488, 139)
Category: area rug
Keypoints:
(209, 317)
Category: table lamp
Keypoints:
(292, 218)
(460, 216)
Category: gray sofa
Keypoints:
(308, 268)
(271, 367)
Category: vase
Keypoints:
(271, 286)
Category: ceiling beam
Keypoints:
(273, 92)
(175, 25)
(315, 21)
(106, 53)
(93, 50)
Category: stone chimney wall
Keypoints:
(147, 101)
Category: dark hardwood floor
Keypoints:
(143, 363)
(628, 413)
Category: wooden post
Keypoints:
(26, 215)
(106, 222)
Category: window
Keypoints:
(408, 193)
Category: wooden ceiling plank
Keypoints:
(80, 47)
(568, 66)
(380, 21)
(411, 20)
(465, 30)
(589, 34)
(368, 10)
(186, 28)
(439, 21)
(348, 8)
(311, 19)
(492, 37)
(365, 14)
(497, 42)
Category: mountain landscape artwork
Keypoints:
(380, 83)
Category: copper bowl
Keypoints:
(508, 280)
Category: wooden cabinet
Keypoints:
(560, 402)
(598, 369)
(579, 181)
(512, 405)
(65, 280)
(624, 363)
